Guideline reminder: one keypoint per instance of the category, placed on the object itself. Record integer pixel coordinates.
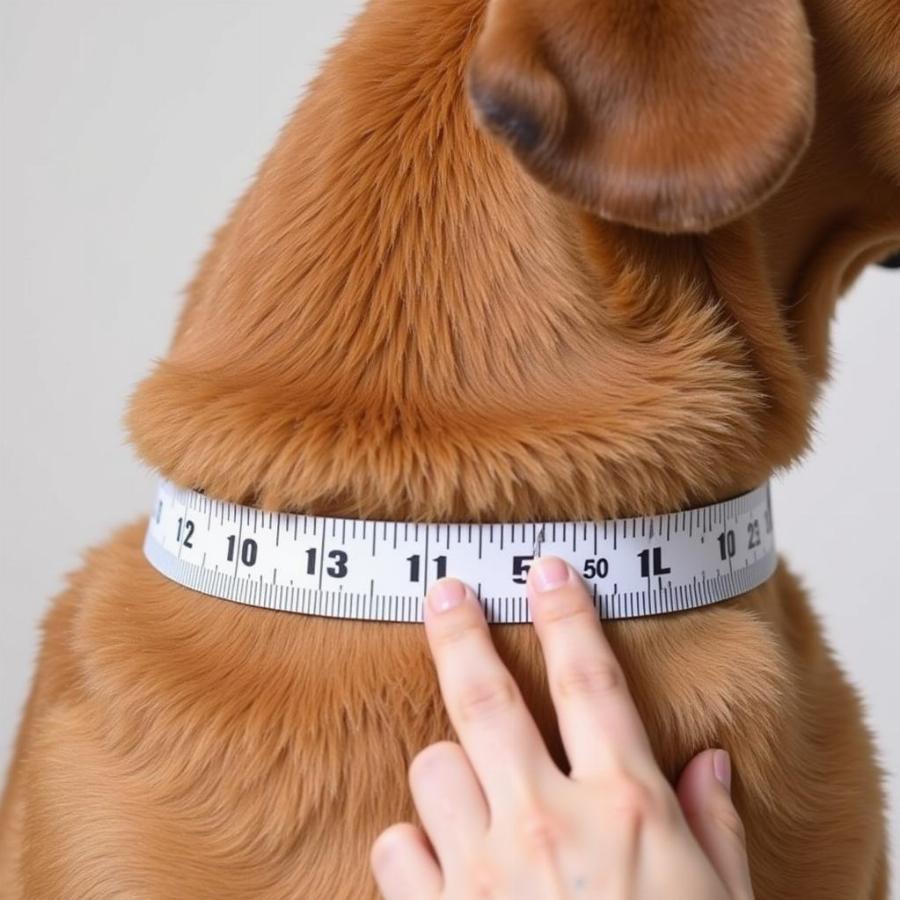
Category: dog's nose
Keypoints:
(892, 262)
(517, 99)
(506, 118)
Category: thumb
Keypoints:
(704, 792)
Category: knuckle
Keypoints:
(485, 698)
(541, 830)
(588, 678)
(638, 802)
(483, 880)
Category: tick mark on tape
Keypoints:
(402, 561)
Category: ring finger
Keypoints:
(450, 802)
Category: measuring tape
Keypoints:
(380, 571)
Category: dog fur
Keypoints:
(620, 307)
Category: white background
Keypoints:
(128, 129)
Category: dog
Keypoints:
(511, 260)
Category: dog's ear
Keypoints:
(672, 115)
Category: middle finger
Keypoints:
(600, 725)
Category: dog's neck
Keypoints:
(398, 322)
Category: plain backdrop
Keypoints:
(128, 129)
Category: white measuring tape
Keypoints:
(356, 569)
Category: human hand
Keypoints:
(500, 820)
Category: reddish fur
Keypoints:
(397, 321)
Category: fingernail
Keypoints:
(549, 573)
(722, 768)
(446, 594)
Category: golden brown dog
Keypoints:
(620, 307)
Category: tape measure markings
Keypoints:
(667, 563)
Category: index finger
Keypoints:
(598, 721)
(483, 700)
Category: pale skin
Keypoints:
(499, 818)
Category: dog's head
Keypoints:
(681, 115)
(702, 116)
(665, 115)
(628, 306)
